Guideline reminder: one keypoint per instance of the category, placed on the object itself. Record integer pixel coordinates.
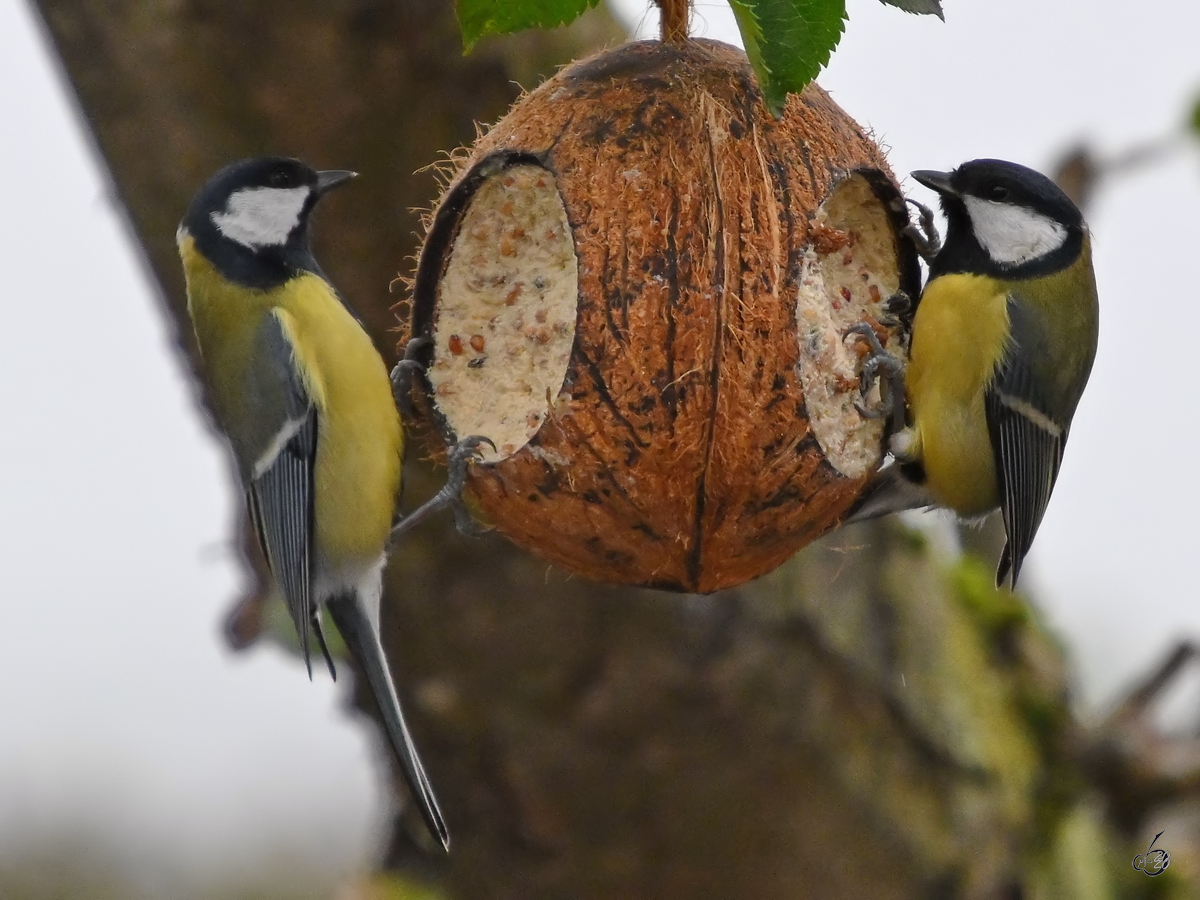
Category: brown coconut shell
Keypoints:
(678, 450)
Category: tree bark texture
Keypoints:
(870, 720)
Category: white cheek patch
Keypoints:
(1013, 235)
(262, 216)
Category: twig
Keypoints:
(674, 20)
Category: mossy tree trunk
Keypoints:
(868, 721)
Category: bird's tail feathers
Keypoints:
(1008, 566)
(890, 491)
(361, 637)
(319, 631)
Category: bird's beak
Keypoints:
(331, 178)
(937, 181)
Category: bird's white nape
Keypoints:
(1013, 235)
(261, 216)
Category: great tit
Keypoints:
(1003, 340)
(307, 405)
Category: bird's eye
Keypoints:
(278, 178)
(997, 192)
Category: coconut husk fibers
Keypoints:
(679, 453)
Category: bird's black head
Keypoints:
(1005, 220)
(250, 219)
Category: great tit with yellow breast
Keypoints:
(307, 404)
(1002, 343)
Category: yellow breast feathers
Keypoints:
(960, 334)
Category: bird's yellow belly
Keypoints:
(359, 438)
(957, 456)
(357, 481)
(959, 336)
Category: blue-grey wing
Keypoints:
(1027, 434)
(280, 488)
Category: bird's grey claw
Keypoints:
(416, 344)
(405, 371)
(879, 365)
(884, 410)
(924, 235)
(467, 525)
(461, 455)
(465, 451)
(898, 304)
(867, 333)
(459, 458)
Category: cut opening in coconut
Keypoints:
(851, 267)
(506, 309)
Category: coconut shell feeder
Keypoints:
(637, 285)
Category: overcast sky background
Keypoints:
(120, 711)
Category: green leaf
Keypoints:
(788, 41)
(1194, 118)
(477, 18)
(918, 7)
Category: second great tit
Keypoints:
(1002, 344)
(307, 404)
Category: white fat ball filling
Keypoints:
(1013, 235)
(261, 216)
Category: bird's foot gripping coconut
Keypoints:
(639, 286)
(404, 374)
(923, 233)
(884, 367)
(459, 457)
